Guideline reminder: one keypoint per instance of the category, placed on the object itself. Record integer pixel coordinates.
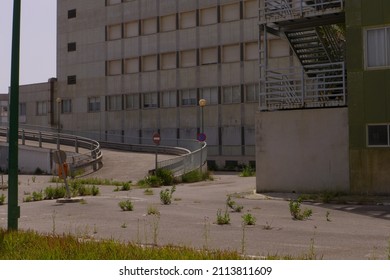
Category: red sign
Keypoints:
(156, 138)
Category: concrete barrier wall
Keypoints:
(30, 158)
(302, 150)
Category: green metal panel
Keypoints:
(372, 12)
(353, 13)
(375, 96)
(355, 54)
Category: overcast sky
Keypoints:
(38, 41)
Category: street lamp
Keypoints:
(202, 103)
(58, 114)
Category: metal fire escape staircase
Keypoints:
(320, 80)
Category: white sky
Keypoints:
(38, 41)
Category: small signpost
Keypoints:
(201, 137)
(156, 140)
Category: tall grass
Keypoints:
(32, 246)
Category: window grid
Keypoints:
(378, 135)
(41, 108)
(94, 104)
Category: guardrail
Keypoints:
(191, 154)
(76, 160)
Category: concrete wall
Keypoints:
(302, 150)
(30, 158)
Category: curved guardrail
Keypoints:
(86, 152)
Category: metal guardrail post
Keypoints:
(23, 138)
(40, 139)
(76, 145)
(58, 141)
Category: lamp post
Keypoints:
(202, 103)
(58, 114)
(13, 207)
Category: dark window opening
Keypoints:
(72, 13)
(378, 135)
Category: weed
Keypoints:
(388, 251)
(33, 179)
(155, 226)
(166, 176)
(95, 190)
(247, 171)
(233, 205)
(327, 216)
(248, 219)
(53, 219)
(126, 205)
(153, 210)
(28, 199)
(296, 211)
(166, 195)
(196, 176)
(54, 192)
(37, 196)
(151, 181)
(148, 191)
(2, 199)
(95, 231)
(124, 225)
(267, 226)
(126, 186)
(223, 219)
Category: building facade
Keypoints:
(127, 69)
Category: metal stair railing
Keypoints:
(321, 85)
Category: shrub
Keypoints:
(54, 193)
(296, 211)
(166, 195)
(126, 186)
(2, 199)
(223, 219)
(166, 176)
(249, 219)
(196, 176)
(37, 196)
(148, 191)
(247, 171)
(126, 205)
(152, 210)
(95, 190)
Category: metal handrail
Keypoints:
(76, 160)
(318, 85)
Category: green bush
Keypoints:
(249, 219)
(37, 196)
(54, 193)
(166, 176)
(126, 205)
(166, 195)
(223, 219)
(296, 211)
(247, 171)
(2, 199)
(95, 190)
(233, 205)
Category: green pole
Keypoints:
(13, 208)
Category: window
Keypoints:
(188, 58)
(41, 108)
(168, 60)
(209, 56)
(169, 99)
(378, 47)
(132, 65)
(230, 12)
(132, 101)
(378, 135)
(168, 23)
(94, 104)
(231, 94)
(72, 80)
(188, 19)
(150, 100)
(114, 32)
(210, 94)
(149, 63)
(22, 112)
(71, 13)
(66, 106)
(149, 26)
(208, 16)
(114, 103)
(231, 53)
(22, 109)
(252, 92)
(71, 47)
(132, 29)
(188, 97)
(114, 67)
(251, 51)
(250, 9)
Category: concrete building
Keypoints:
(127, 69)
(308, 140)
